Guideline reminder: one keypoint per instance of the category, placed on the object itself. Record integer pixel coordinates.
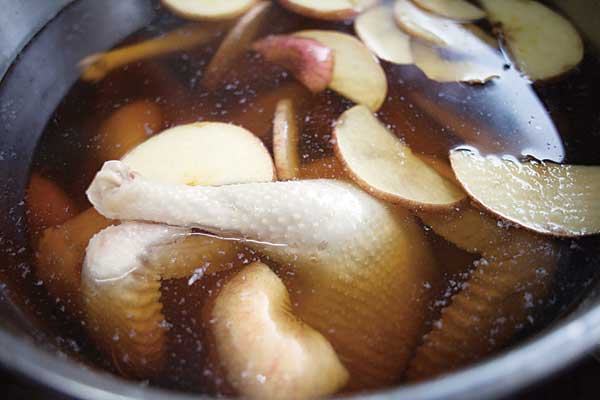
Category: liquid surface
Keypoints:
(508, 116)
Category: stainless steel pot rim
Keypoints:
(532, 361)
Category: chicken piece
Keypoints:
(362, 271)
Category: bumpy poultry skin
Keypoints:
(122, 272)
(360, 268)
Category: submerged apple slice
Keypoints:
(543, 43)
(455, 9)
(328, 9)
(285, 141)
(436, 30)
(208, 9)
(356, 74)
(266, 351)
(552, 199)
(237, 41)
(384, 166)
(378, 31)
(309, 61)
(127, 127)
(173, 156)
(463, 69)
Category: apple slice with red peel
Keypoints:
(285, 141)
(454, 9)
(385, 167)
(463, 69)
(377, 29)
(357, 74)
(551, 199)
(181, 163)
(237, 42)
(543, 43)
(436, 30)
(310, 61)
(267, 352)
(208, 9)
(332, 10)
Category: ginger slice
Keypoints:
(514, 275)
(264, 349)
(121, 278)
(60, 253)
(96, 66)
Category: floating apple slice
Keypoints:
(356, 74)
(173, 156)
(438, 68)
(330, 9)
(237, 41)
(552, 199)
(309, 61)
(285, 141)
(436, 30)
(454, 9)
(254, 331)
(127, 127)
(208, 9)
(543, 43)
(96, 66)
(384, 166)
(378, 31)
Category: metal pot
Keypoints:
(40, 45)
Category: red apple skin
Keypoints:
(309, 61)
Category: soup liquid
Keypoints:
(554, 120)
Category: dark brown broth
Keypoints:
(432, 118)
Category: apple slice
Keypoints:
(333, 10)
(356, 74)
(378, 31)
(309, 61)
(454, 9)
(47, 204)
(174, 156)
(285, 141)
(543, 43)
(385, 167)
(236, 43)
(436, 30)
(266, 351)
(464, 69)
(552, 199)
(97, 66)
(127, 127)
(208, 9)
